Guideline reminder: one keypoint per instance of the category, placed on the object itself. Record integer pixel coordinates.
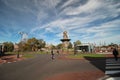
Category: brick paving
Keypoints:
(84, 75)
(10, 58)
(89, 75)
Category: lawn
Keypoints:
(26, 54)
(90, 55)
(32, 54)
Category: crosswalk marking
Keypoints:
(112, 68)
(116, 67)
(113, 78)
(112, 72)
(113, 64)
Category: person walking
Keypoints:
(52, 55)
(115, 53)
(58, 52)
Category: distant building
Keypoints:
(85, 47)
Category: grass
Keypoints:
(26, 54)
(32, 54)
(77, 56)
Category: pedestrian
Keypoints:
(52, 55)
(58, 52)
(115, 53)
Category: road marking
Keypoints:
(112, 64)
(112, 68)
(113, 78)
(112, 72)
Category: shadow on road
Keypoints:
(97, 62)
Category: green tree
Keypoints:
(78, 42)
(52, 46)
(70, 45)
(32, 44)
(59, 46)
(112, 44)
(8, 46)
(21, 46)
(40, 44)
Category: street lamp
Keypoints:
(74, 48)
(17, 48)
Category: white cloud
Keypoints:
(16, 5)
(108, 40)
(79, 26)
(83, 33)
(41, 15)
(89, 7)
(105, 32)
(92, 7)
(69, 2)
(50, 3)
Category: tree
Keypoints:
(41, 44)
(70, 45)
(53, 46)
(78, 42)
(59, 46)
(8, 46)
(32, 44)
(112, 44)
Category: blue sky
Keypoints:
(93, 21)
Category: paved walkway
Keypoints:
(112, 69)
(10, 58)
(43, 68)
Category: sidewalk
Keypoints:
(80, 75)
(89, 75)
(10, 58)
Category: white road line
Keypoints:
(112, 67)
(112, 72)
(113, 64)
(113, 78)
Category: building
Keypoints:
(65, 40)
(85, 47)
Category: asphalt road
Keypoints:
(42, 66)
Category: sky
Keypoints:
(90, 21)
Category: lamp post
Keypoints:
(74, 48)
(17, 48)
(18, 55)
